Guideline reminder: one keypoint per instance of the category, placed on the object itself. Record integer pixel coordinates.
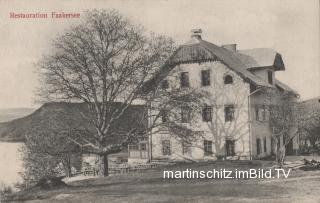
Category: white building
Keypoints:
(234, 124)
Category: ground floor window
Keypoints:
(186, 148)
(138, 150)
(133, 147)
(265, 144)
(230, 146)
(166, 147)
(207, 146)
(134, 151)
(143, 150)
(258, 146)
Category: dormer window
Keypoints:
(228, 79)
(184, 79)
(270, 77)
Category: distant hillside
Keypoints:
(66, 116)
(14, 113)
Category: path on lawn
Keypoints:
(291, 179)
(149, 186)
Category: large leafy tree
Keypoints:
(103, 60)
(284, 119)
(309, 128)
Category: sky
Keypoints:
(291, 27)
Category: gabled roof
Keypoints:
(315, 100)
(198, 51)
(261, 57)
(284, 87)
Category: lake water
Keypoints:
(10, 163)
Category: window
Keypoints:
(184, 79)
(185, 115)
(258, 146)
(270, 77)
(164, 116)
(143, 146)
(228, 79)
(257, 112)
(166, 148)
(205, 77)
(207, 146)
(229, 112)
(230, 147)
(143, 150)
(261, 113)
(165, 84)
(265, 144)
(186, 148)
(134, 151)
(133, 147)
(207, 113)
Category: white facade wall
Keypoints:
(218, 130)
(259, 129)
(263, 73)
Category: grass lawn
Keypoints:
(149, 186)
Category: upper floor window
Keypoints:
(270, 77)
(228, 79)
(185, 115)
(184, 79)
(207, 147)
(165, 84)
(261, 112)
(207, 113)
(205, 77)
(229, 112)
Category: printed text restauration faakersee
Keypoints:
(43, 15)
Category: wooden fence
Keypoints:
(120, 169)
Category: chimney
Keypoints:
(196, 33)
(231, 47)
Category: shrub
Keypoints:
(5, 191)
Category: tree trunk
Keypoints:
(67, 165)
(102, 168)
(68, 171)
(281, 155)
(276, 150)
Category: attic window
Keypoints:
(228, 79)
(184, 79)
